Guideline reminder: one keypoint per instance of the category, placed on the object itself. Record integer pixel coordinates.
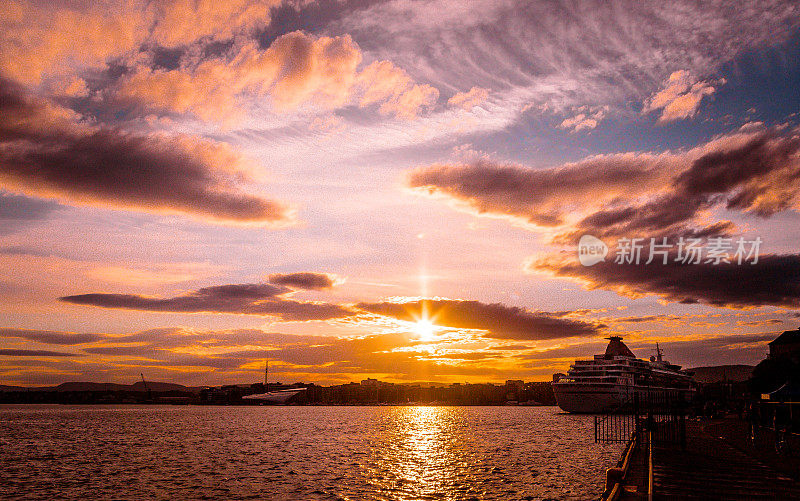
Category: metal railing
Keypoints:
(661, 412)
(616, 476)
(619, 425)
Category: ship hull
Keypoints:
(599, 398)
(588, 398)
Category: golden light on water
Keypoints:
(423, 428)
(426, 452)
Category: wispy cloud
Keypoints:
(18, 212)
(51, 337)
(567, 55)
(249, 299)
(35, 353)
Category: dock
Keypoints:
(713, 464)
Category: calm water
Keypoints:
(187, 452)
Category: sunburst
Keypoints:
(425, 329)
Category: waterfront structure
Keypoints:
(275, 397)
(786, 345)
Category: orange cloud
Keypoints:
(470, 99)
(409, 103)
(181, 22)
(45, 39)
(41, 39)
(70, 86)
(236, 355)
(680, 98)
(587, 118)
(230, 355)
(294, 69)
(41, 49)
(383, 82)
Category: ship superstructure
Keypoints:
(612, 378)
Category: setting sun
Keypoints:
(425, 329)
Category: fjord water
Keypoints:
(288, 453)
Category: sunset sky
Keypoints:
(393, 189)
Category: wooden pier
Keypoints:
(709, 467)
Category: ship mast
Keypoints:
(658, 353)
(147, 388)
(266, 374)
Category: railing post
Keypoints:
(650, 422)
(650, 478)
(683, 430)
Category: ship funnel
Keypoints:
(616, 348)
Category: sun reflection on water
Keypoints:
(426, 454)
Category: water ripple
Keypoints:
(289, 453)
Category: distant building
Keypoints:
(514, 389)
(786, 345)
(515, 384)
(369, 382)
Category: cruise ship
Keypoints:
(612, 378)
